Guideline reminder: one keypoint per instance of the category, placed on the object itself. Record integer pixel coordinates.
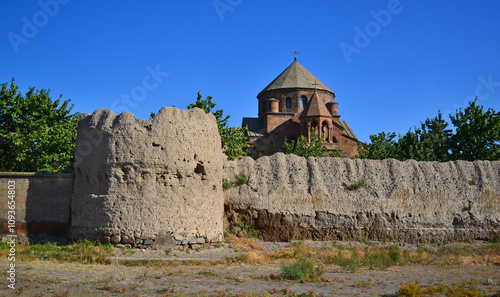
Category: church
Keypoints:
(297, 104)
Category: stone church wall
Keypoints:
(144, 182)
(290, 197)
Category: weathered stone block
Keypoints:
(115, 239)
(127, 239)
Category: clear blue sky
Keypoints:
(411, 59)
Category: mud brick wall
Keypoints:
(290, 197)
(142, 182)
(42, 203)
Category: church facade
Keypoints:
(297, 104)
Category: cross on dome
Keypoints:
(295, 52)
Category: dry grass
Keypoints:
(244, 244)
(254, 258)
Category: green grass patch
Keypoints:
(472, 182)
(227, 184)
(85, 252)
(350, 264)
(359, 184)
(385, 257)
(207, 273)
(241, 178)
(247, 228)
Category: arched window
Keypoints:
(288, 102)
(303, 101)
(324, 131)
(314, 128)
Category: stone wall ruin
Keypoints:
(142, 182)
(154, 182)
(289, 197)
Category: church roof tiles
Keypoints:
(315, 108)
(296, 76)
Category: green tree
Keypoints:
(234, 141)
(382, 146)
(36, 133)
(477, 135)
(301, 147)
(429, 142)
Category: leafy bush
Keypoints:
(411, 289)
(301, 270)
(301, 147)
(394, 254)
(385, 257)
(349, 264)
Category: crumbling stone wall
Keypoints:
(144, 182)
(290, 197)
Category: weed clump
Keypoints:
(359, 184)
(472, 182)
(241, 178)
(412, 289)
(247, 228)
(227, 184)
(301, 270)
(349, 264)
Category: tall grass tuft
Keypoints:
(301, 270)
(350, 264)
(241, 178)
(359, 184)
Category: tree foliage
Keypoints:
(234, 141)
(429, 142)
(301, 147)
(476, 137)
(382, 146)
(36, 133)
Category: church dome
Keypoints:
(296, 76)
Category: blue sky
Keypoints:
(390, 63)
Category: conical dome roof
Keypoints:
(315, 108)
(296, 76)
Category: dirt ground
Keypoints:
(197, 273)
